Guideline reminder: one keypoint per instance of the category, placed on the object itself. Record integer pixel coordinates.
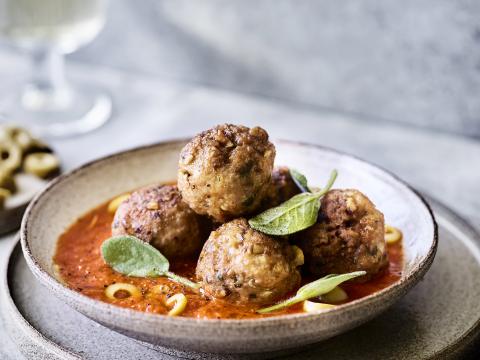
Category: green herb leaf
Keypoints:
(326, 284)
(296, 214)
(300, 180)
(182, 280)
(314, 289)
(131, 256)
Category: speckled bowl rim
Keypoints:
(405, 283)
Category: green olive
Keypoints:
(23, 138)
(41, 164)
(4, 194)
(18, 135)
(7, 181)
(10, 156)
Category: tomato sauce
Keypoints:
(80, 266)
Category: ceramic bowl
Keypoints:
(75, 193)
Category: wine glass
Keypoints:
(49, 29)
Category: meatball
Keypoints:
(282, 187)
(225, 172)
(349, 236)
(158, 215)
(243, 265)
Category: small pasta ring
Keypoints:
(161, 289)
(115, 203)
(337, 295)
(179, 302)
(314, 307)
(113, 289)
(392, 234)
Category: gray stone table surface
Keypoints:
(149, 109)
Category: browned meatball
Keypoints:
(158, 215)
(225, 172)
(282, 187)
(243, 265)
(349, 236)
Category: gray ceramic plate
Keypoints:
(75, 193)
(439, 318)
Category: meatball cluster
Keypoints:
(242, 265)
(158, 215)
(225, 172)
(349, 236)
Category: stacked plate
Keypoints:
(441, 315)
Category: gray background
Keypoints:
(414, 61)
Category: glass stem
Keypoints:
(48, 90)
(49, 69)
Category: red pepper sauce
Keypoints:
(81, 267)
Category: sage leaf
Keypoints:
(300, 180)
(326, 284)
(131, 256)
(314, 289)
(182, 280)
(295, 214)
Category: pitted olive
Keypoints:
(23, 138)
(18, 135)
(41, 164)
(10, 156)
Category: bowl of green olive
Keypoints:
(26, 165)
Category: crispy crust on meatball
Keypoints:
(282, 187)
(242, 265)
(349, 236)
(158, 215)
(225, 172)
